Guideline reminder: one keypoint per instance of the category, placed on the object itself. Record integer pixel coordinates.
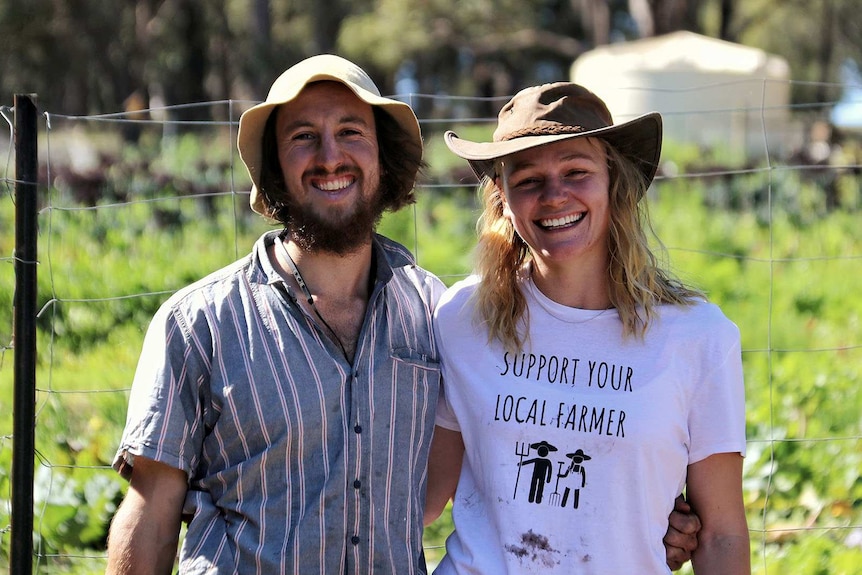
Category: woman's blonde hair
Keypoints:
(638, 284)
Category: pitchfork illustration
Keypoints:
(554, 499)
(522, 449)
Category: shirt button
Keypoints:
(354, 540)
(358, 429)
(357, 484)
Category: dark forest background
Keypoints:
(101, 56)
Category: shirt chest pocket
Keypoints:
(419, 369)
(415, 390)
(416, 358)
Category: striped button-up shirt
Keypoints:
(298, 461)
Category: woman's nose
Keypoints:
(553, 191)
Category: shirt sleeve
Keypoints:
(164, 416)
(445, 415)
(717, 417)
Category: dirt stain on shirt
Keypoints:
(534, 547)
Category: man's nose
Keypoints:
(329, 153)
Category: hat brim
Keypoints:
(253, 121)
(638, 139)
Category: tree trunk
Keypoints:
(824, 53)
(656, 17)
(328, 15)
(596, 16)
(725, 32)
(642, 14)
(186, 82)
(261, 48)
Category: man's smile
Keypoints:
(333, 185)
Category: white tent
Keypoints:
(710, 92)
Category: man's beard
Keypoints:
(338, 234)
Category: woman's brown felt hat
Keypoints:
(288, 86)
(552, 112)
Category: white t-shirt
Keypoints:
(577, 447)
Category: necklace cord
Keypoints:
(304, 287)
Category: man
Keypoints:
(283, 407)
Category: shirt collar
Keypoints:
(262, 270)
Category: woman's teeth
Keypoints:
(561, 222)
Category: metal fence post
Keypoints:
(24, 335)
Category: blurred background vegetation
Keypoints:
(766, 244)
(775, 243)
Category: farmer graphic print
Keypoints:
(575, 450)
(542, 473)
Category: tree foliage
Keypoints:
(97, 56)
(815, 37)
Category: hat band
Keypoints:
(542, 131)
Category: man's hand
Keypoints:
(680, 541)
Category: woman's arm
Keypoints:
(714, 489)
(444, 469)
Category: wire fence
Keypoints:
(135, 206)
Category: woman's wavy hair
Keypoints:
(638, 284)
(400, 164)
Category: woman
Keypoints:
(584, 387)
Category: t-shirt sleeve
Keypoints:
(717, 417)
(445, 415)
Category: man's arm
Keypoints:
(714, 488)
(145, 530)
(680, 541)
(444, 469)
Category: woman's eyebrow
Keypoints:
(525, 164)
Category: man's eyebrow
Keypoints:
(303, 123)
(353, 120)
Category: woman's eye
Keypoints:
(526, 182)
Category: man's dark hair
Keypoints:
(400, 163)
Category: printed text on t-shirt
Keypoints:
(553, 369)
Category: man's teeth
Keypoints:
(334, 185)
(560, 222)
